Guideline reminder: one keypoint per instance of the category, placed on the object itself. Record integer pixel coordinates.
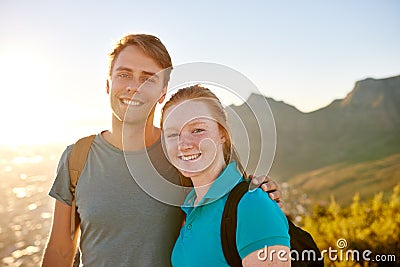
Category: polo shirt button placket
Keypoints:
(189, 226)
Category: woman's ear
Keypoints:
(224, 134)
(223, 138)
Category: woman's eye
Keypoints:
(172, 135)
(197, 130)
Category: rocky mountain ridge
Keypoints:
(364, 126)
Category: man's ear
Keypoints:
(163, 94)
(108, 86)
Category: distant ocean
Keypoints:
(26, 175)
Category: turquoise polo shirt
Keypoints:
(260, 223)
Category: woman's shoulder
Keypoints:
(256, 199)
(260, 222)
(259, 206)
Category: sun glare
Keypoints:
(23, 76)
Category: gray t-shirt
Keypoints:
(121, 225)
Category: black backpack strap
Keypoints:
(300, 239)
(228, 224)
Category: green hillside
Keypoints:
(342, 180)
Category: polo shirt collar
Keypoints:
(226, 180)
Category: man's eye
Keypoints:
(123, 75)
(198, 130)
(148, 80)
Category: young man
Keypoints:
(120, 224)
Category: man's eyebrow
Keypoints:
(121, 68)
(149, 73)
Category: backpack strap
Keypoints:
(228, 224)
(300, 240)
(76, 162)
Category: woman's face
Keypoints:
(193, 138)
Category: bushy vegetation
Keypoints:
(373, 225)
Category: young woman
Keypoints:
(198, 144)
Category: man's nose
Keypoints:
(131, 89)
(133, 86)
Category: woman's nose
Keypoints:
(184, 143)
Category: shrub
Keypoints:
(373, 225)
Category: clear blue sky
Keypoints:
(53, 54)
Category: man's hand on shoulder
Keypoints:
(267, 185)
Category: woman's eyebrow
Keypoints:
(197, 122)
(169, 129)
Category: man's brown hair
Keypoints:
(150, 46)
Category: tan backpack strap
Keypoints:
(76, 162)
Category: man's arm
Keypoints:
(61, 249)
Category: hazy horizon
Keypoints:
(53, 55)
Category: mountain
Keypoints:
(362, 127)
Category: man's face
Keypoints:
(135, 86)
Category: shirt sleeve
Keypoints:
(260, 223)
(61, 189)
